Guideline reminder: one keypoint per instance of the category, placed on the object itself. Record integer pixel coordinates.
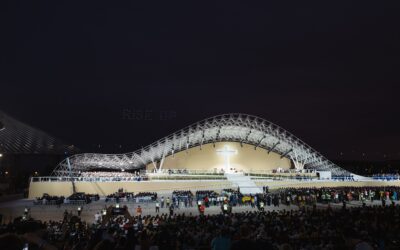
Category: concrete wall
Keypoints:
(37, 189)
(208, 159)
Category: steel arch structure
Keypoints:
(241, 128)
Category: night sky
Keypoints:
(327, 72)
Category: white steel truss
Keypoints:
(239, 128)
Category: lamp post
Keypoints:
(1, 156)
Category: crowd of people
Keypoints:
(114, 176)
(386, 177)
(82, 198)
(374, 227)
(178, 171)
(345, 177)
(182, 198)
(47, 199)
(301, 196)
(200, 194)
(185, 199)
(122, 196)
(182, 171)
(108, 174)
(365, 227)
(148, 195)
(286, 196)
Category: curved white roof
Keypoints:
(240, 128)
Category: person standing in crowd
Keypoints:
(202, 209)
(162, 202)
(261, 206)
(171, 210)
(190, 201)
(276, 201)
(139, 211)
(97, 217)
(167, 202)
(206, 201)
(268, 200)
(174, 201)
(157, 207)
(336, 197)
(225, 207)
(26, 211)
(65, 218)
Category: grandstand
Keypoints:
(225, 151)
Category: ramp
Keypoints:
(245, 183)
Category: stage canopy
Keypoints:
(239, 128)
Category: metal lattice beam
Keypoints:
(230, 127)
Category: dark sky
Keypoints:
(327, 72)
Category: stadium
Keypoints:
(230, 151)
(194, 126)
(205, 181)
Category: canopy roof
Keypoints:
(240, 128)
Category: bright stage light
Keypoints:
(227, 153)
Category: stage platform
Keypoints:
(65, 188)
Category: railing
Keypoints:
(284, 175)
(145, 199)
(187, 177)
(386, 178)
(85, 179)
(203, 176)
(54, 202)
(218, 172)
(283, 172)
(125, 179)
(284, 178)
(183, 172)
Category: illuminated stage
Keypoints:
(227, 151)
